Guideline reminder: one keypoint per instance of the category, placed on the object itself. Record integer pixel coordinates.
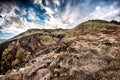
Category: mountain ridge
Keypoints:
(88, 51)
(2, 40)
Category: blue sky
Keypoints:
(17, 16)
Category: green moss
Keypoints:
(12, 56)
(20, 54)
(23, 55)
(8, 56)
(9, 53)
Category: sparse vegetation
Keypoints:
(115, 22)
(90, 51)
(48, 39)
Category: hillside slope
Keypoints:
(2, 40)
(89, 51)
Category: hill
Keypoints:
(2, 40)
(89, 51)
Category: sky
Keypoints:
(17, 16)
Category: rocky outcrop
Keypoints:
(90, 51)
(17, 51)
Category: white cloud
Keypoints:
(47, 2)
(64, 19)
(58, 19)
(10, 21)
(104, 12)
(49, 11)
(31, 14)
(1, 21)
(37, 1)
(73, 16)
(56, 2)
(54, 17)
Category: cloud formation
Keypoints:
(17, 16)
(105, 13)
(75, 14)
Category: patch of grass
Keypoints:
(48, 39)
(8, 54)
(12, 57)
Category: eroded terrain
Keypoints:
(90, 51)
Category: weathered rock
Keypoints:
(90, 51)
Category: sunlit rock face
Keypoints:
(89, 51)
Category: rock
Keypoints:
(90, 51)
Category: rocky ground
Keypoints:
(90, 51)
